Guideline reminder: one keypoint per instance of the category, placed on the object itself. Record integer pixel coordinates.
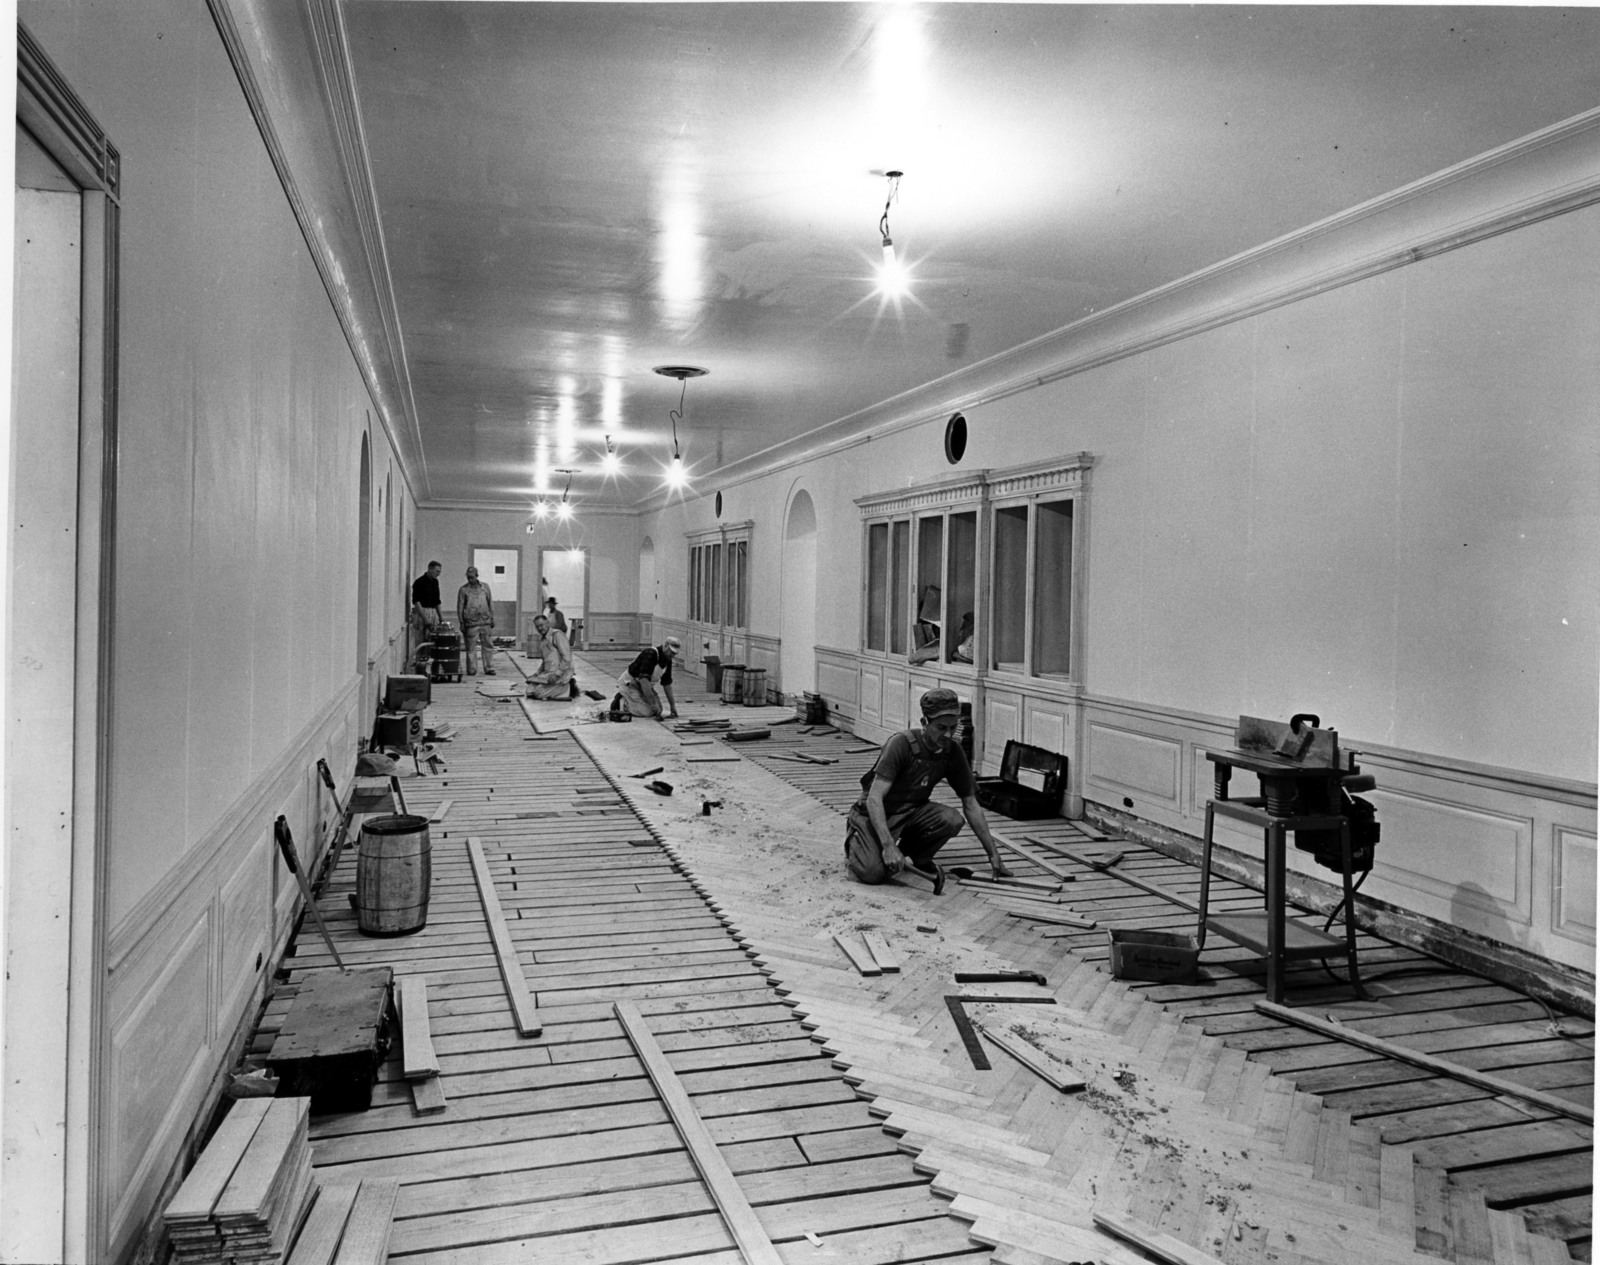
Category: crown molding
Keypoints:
(292, 60)
(525, 509)
(1545, 174)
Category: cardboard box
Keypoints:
(406, 693)
(1156, 957)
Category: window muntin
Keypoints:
(719, 580)
(899, 586)
(961, 581)
(1009, 635)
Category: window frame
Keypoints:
(719, 576)
(985, 495)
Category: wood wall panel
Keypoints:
(870, 693)
(612, 628)
(838, 682)
(1141, 765)
(161, 1040)
(1430, 843)
(1002, 722)
(1573, 907)
(897, 709)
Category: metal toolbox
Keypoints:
(1031, 784)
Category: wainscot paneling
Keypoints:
(182, 968)
(1573, 906)
(838, 682)
(869, 693)
(896, 697)
(1441, 842)
(1125, 763)
(1469, 846)
(612, 628)
(1002, 722)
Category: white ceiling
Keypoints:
(572, 194)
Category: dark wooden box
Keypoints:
(1031, 784)
(334, 1038)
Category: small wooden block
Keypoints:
(882, 954)
(427, 1096)
(319, 1238)
(417, 1058)
(366, 1233)
(859, 958)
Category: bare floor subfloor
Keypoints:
(848, 1106)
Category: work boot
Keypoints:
(573, 693)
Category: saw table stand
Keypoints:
(1284, 785)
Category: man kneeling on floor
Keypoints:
(554, 678)
(893, 826)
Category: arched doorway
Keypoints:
(647, 591)
(797, 664)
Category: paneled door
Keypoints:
(500, 567)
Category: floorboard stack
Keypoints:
(250, 1189)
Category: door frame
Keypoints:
(53, 114)
(587, 561)
(516, 612)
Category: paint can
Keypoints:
(394, 874)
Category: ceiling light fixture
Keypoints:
(892, 275)
(564, 508)
(677, 477)
(611, 463)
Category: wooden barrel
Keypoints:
(732, 682)
(755, 687)
(394, 872)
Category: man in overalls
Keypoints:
(893, 826)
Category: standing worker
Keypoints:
(893, 825)
(636, 688)
(554, 678)
(558, 621)
(425, 603)
(475, 610)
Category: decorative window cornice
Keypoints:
(1068, 474)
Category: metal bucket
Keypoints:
(394, 873)
(732, 682)
(755, 687)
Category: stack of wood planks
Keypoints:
(247, 1195)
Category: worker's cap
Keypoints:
(472, 572)
(673, 644)
(940, 702)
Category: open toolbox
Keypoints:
(1031, 784)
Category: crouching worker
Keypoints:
(893, 826)
(554, 678)
(636, 687)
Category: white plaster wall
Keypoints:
(611, 538)
(1380, 504)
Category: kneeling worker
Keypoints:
(636, 687)
(893, 825)
(554, 678)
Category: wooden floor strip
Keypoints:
(741, 1220)
(522, 1005)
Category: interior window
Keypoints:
(1010, 629)
(1052, 588)
(961, 583)
(877, 584)
(899, 586)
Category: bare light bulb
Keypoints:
(611, 463)
(564, 511)
(541, 510)
(676, 477)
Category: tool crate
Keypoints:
(1031, 784)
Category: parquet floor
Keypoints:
(846, 1105)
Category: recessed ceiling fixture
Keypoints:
(892, 274)
(676, 476)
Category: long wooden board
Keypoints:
(741, 1220)
(212, 1171)
(1343, 1032)
(1031, 1059)
(522, 1007)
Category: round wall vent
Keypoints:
(719, 504)
(955, 438)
